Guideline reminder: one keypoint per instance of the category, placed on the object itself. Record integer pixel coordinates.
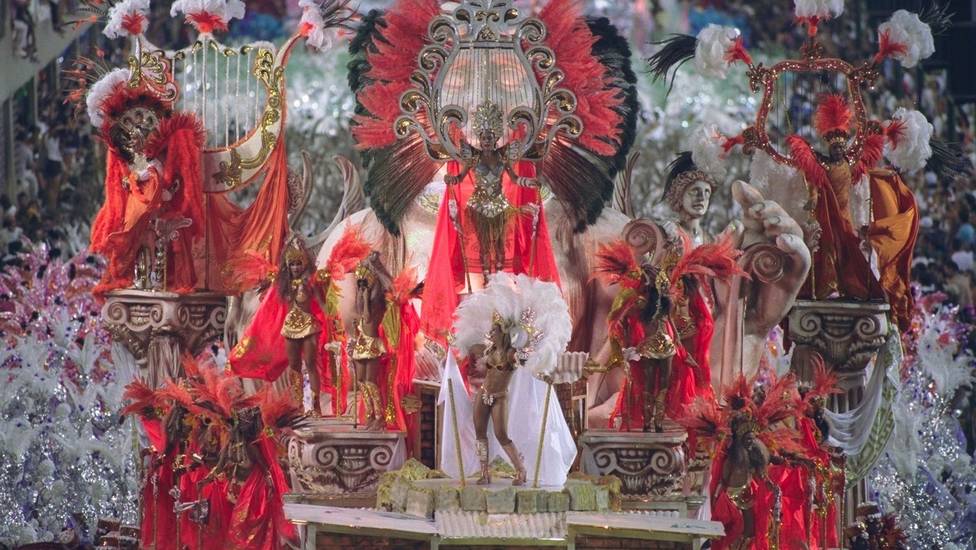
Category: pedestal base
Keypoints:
(331, 462)
(652, 467)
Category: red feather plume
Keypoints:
(615, 262)
(777, 405)
(894, 131)
(739, 389)
(833, 115)
(140, 396)
(391, 64)
(404, 287)
(278, 410)
(737, 52)
(572, 42)
(888, 47)
(706, 419)
(348, 251)
(716, 260)
(803, 158)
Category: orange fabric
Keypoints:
(109, 217)
(258, 230)
(122, 244)
(893, 234)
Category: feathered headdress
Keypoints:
(833, 118)
(208, 16)
(532, 312)
(682, 172)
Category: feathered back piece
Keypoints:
(833, 117)
(718, 260)
(706, 419)
(141, 397)
(278, 410)
(595, 61)
(616, 263)
(532, 312)
(349, 250)
(777, 403)
(384, 54)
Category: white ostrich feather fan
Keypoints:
(533, 311)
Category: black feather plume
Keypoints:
(681, 164)
(675, 52)
(947, 160)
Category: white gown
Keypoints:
(526, 397)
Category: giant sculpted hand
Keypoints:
(778, 261)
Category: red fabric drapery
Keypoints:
(455, 252)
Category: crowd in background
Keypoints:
(58, 166)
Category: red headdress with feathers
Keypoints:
(833, 117)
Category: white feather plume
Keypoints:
(912, 149)
(511, 297)
(707, 152)
(117, 15)
(712, 43)
(102, 90)
(821, 9)
(915, 35)
(225, 10)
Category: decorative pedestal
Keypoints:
(330, 462)
(846, 334)
(159, 327)
(652, 467)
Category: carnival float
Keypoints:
(486, 347)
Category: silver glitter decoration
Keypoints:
(926, 478)
(65, 457)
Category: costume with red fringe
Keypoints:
(694, 269)
(398, 331)
(721, 429)
(688, 270)
(631, 329)
(838, 264)
(134, 200)
(244, 484)
(261, 353)
(595, 63)
(158, 518)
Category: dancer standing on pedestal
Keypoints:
(297, 317)
(153, 208)
(513, 330)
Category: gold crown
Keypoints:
(295, 251)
